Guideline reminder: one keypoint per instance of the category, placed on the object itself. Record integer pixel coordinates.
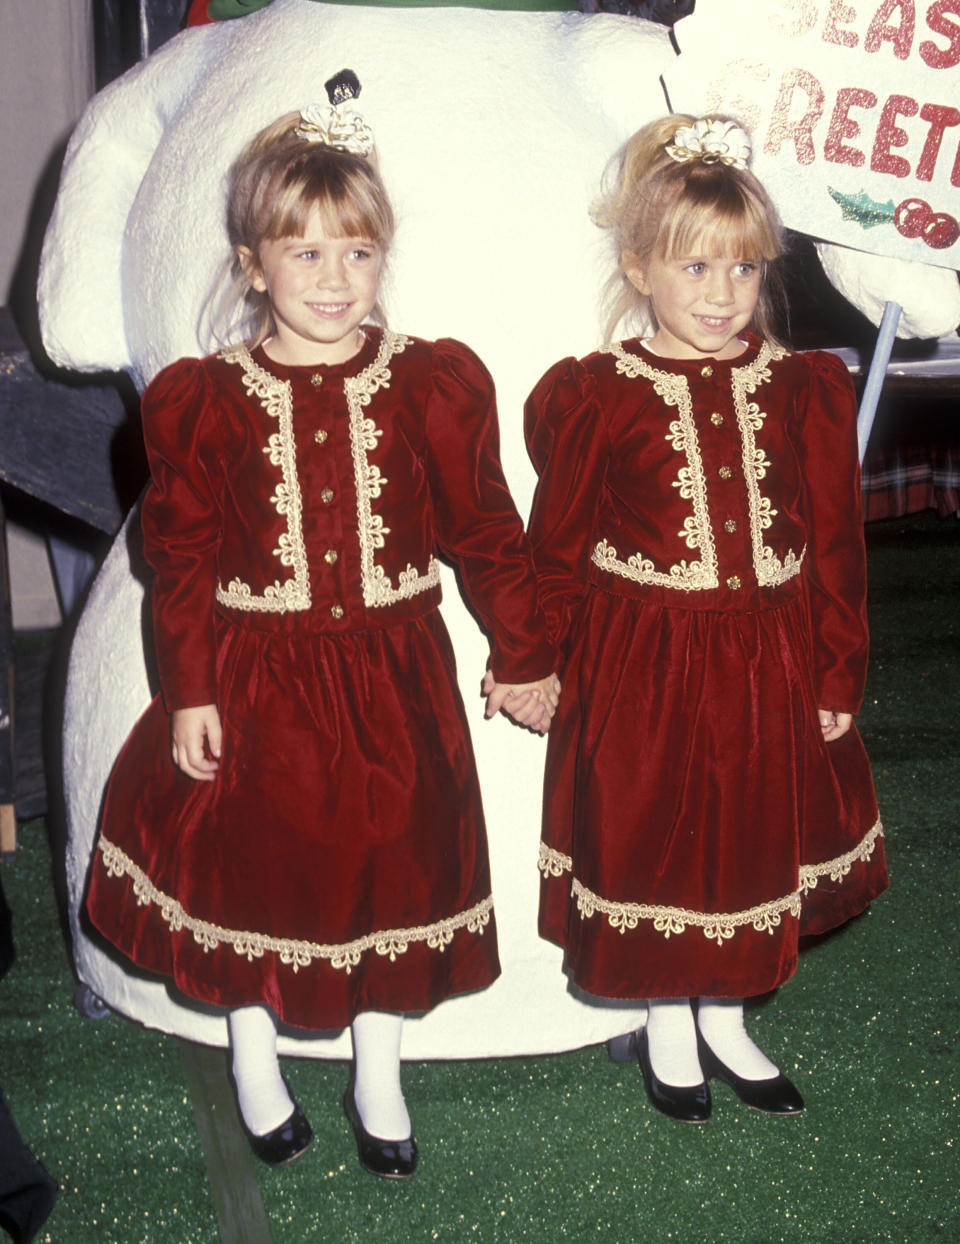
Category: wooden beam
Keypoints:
(236, 1194)
(8, 829)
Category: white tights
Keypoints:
(262, 1095)
(672, 1040)
(720, 1021)
(376, 1088)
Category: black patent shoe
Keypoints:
(285, 1142)
(775, 1095)
(392, 1159)
(686, 1103)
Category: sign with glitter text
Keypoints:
(853, 108)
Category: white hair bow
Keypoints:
(713, 142)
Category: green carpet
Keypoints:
(566, 1147)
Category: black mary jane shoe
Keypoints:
(285, 1142)
(391, 1159)
(686, 1103)
(775, 1095)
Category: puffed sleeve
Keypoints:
(182, 521)
(836, 559)
(477, 523)
(569, 446)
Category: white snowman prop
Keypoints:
(493, 129)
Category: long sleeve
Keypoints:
(568, 444)
(836, 561)
(182, 523)
(476, 520)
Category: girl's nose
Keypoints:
(332, 274)
(720, 289)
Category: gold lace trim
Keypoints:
(364, 434)
(770, 570)
(295, 954)
(292, 594)
(697, 531)
(838, 868)
(718, 927)
(553, 863)
(693, 576)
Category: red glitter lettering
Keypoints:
(889, 134)
(938, 16)
(782, 129)
(843, 126)
(900, 36)
(840, 12)
(940, 117)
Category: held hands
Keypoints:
(190, 728)
(530, 704)
(834, 725)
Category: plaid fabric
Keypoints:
(907, 478)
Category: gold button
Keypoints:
(733, 582)
(326, 496)
(320, 436)
(716, 419)
(730, 525)
(706, 371)
(336, 611)
(330, 556)
(316, 380)
(725, 472)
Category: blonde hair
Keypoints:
(276, 182)
(655, 205)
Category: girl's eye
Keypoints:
(308, 254)
(361, 253)
(746, 268)
(696, 269)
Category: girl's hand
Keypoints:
(189, 729)
(530, 704)
(834, 725)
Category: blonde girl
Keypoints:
(293, 832)
(699, 548)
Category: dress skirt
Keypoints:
(696, 823)
(337, 863)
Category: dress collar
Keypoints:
(291, 371)
(751, 348)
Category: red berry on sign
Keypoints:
(941, 231)
(911, 217)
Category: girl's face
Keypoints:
(701, 302)
(321, 289)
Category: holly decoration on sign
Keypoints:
(913, 218)
(861, 208)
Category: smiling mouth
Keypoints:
(331, 309)
(714, 322)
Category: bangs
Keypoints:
(722, 217)
(348, 206)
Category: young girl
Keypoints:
(315, 853)
(699, 549)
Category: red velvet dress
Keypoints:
(338, 862)
(699, 548)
